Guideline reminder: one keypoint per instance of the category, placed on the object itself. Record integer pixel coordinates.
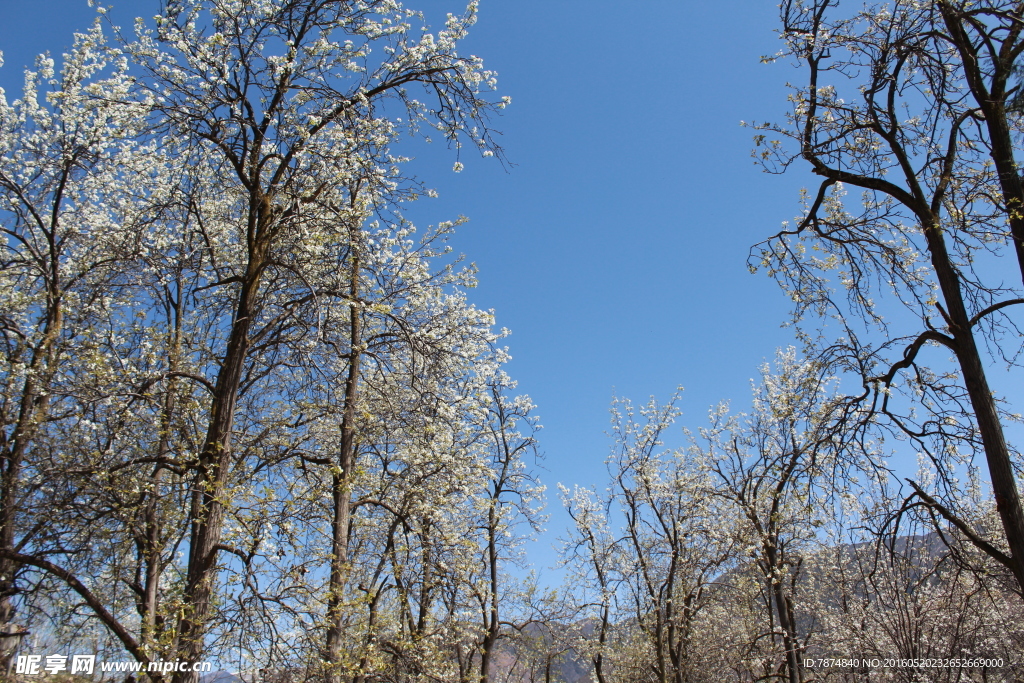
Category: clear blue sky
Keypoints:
(615, 247)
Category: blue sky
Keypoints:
(615, 246)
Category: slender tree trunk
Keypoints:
(783, 607)
(491, 622)
(602, 639)
(342, 479)
(151, 552)
(31, 410)
(152, 549)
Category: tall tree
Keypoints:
(906, 101)
(776, 468)
(511, 502)
(71, 231)
(650, 550)
(287, 111)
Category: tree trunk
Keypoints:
(997, 454)
(341, 481)
(783, 607)
(31, 411)
(152, 545)
(491, 623)
(993, 104)
(214, 467)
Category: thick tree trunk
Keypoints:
(207, 528)
(214, 467)
(997, 454)
(9, 489)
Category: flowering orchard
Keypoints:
(250, 417)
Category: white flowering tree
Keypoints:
(648, 552)
(287, 111)
(908, 103)
(590, 554)
(72, 230)
(508, 511)
(267, 385)
(777, 468)
(912, 601)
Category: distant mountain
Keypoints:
(220, 677)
